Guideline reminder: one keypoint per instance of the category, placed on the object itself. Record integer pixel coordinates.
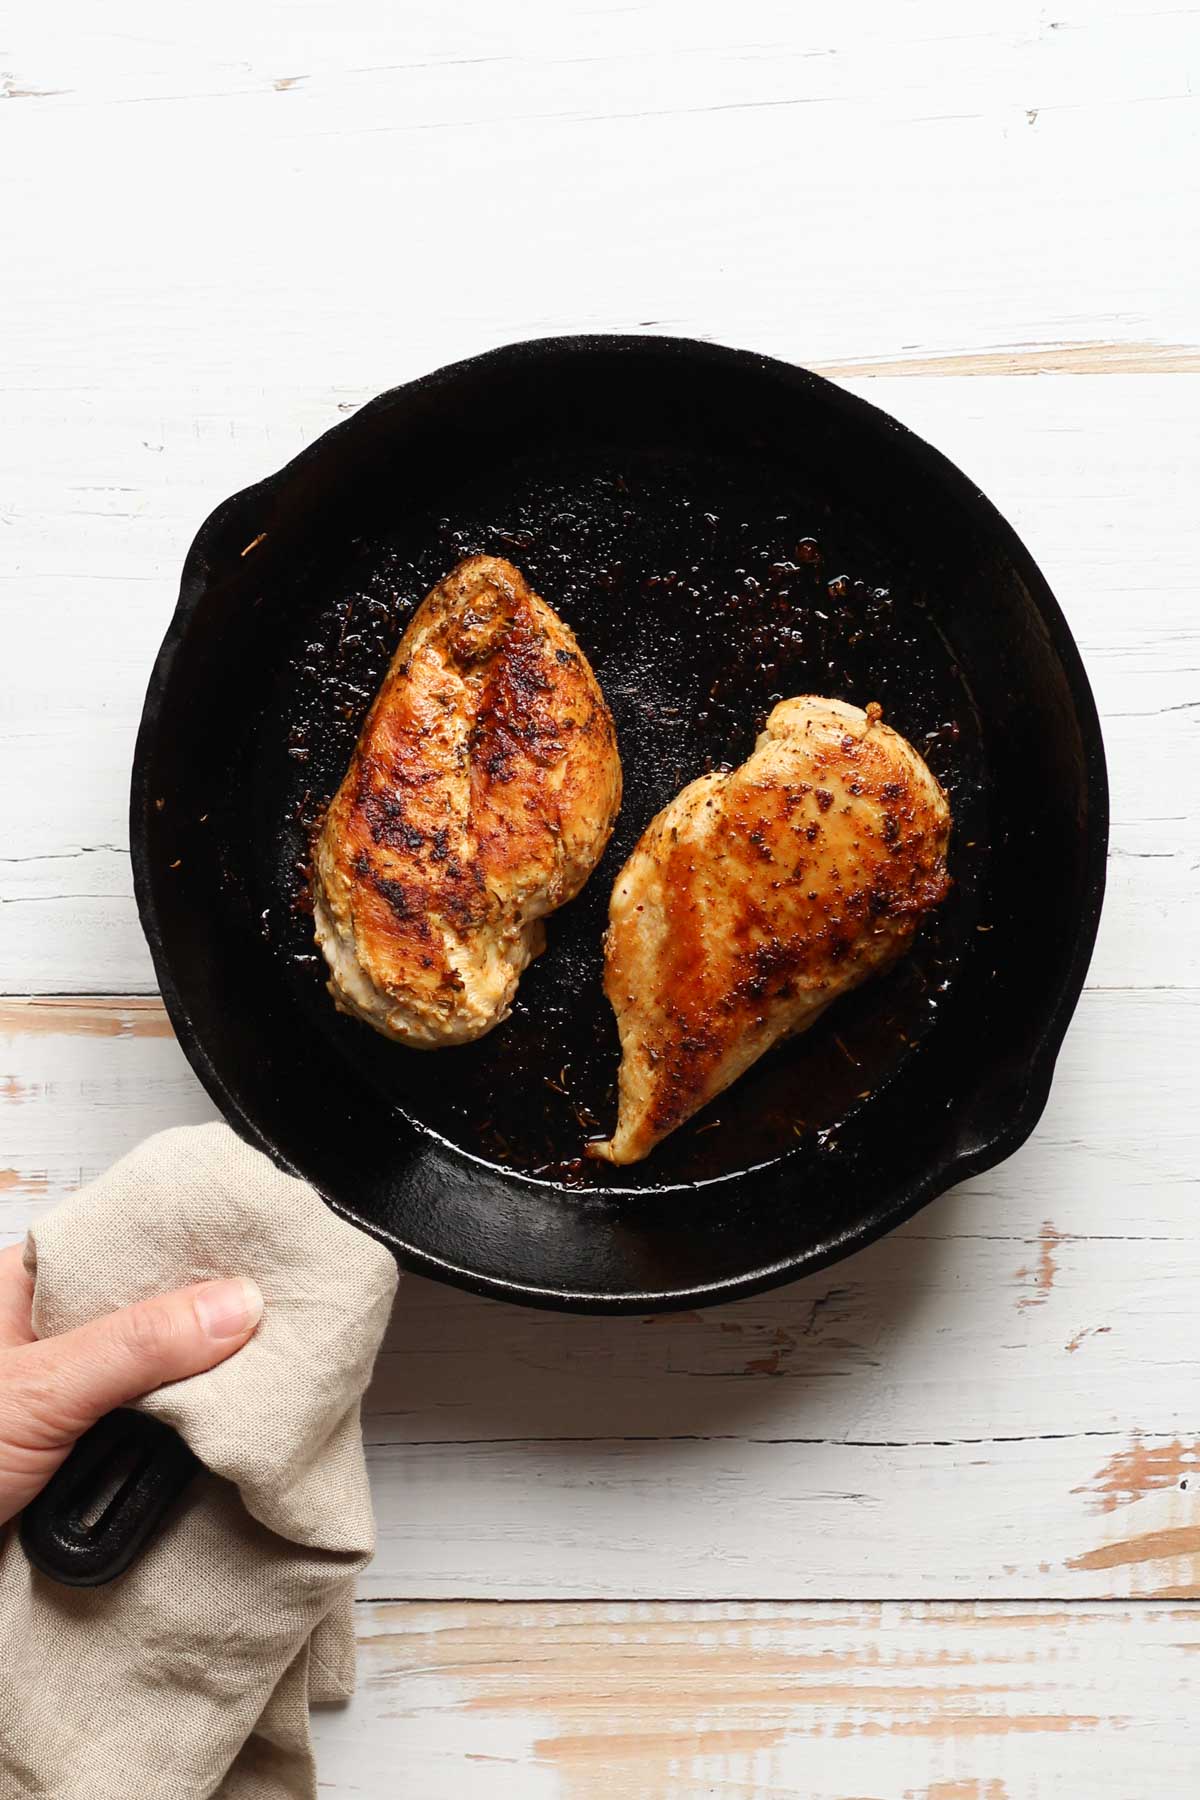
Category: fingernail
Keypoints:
(228, 1309)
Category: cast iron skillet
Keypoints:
(721, 530)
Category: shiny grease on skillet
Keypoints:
(702, 592)
(672, 569)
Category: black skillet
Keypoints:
(721, 530)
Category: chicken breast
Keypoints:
(480, 797)
(756, 898)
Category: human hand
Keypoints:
(52, 1389)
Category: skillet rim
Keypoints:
(945, 1171)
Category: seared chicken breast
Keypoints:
(756, 898)
(480, 796)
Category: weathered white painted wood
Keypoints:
(1023, 1351)
(1114, 1156)
(1096, 472)
(223, 235)
(790, 1519)
(862, 180)
(891, 1702)
(86, 1082)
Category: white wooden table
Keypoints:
(925, 1527)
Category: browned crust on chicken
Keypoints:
(756, 898)
(481, 794)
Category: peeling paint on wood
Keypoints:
(29, 1187)
(1152, 1546)
(917, 1437)
(1028, 359)
(1144, 1469)
(1041, 1276)
(1088, 1331)
(961, 1790)
(667, 1702)
(615, 1453)
(133, 1016)
(1055, 454)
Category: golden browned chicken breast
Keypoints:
(480, 796)
(756, 898)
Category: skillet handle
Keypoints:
(98, 1512)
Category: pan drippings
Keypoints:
(703, 594)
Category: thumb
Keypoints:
(71, 1380)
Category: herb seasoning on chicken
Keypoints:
(756, 898)
(480, 797)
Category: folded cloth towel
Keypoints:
(191, 1674)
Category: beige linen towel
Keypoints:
(191, 1675)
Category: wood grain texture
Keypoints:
(1026, 359)
(1093, 472)
(789, 1515)
(855, 181)
(225, 234)
(895, 1702)
(1024, 1349)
